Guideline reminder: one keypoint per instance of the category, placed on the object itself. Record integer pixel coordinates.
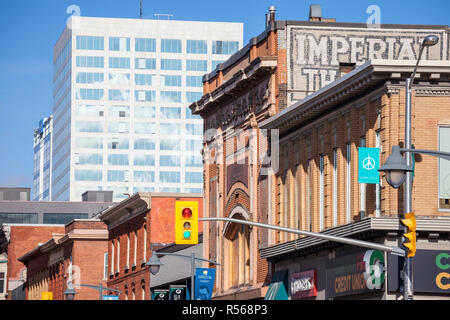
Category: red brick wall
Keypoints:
(24, 239)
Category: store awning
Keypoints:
(278, 288)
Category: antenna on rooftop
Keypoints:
(163, 14)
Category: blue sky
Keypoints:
(30, 29)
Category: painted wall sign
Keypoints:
(356, 273)
(303, 284)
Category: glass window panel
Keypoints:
(118, 143)
(144, 176)
(194, 81)
(145, 95)
(169, 176)
(28, 218)
(119, 63)
(170, 64)
(63, 218)
(144, 127)
(89, 158)
(193, 96)
(169, 161)
(118, 127)
(117, 175)
(89, 142)
(225, 47)
(170, 113)
(193, 190)
(90, 43)
(194, 177)
(196, 65)
(170, 96)
(194, 129)
(171, 45)
(143, 79)
(119, 44)
(119, 78)
(145, 45)
(189, 115)
(89, 94)
(118, 159)
(194, 145)
(144, 160)
(118, 95)
(171, 80)
(119, 111)
(89, 77)
(193, 161)
(144, 144)
(88, 175)
(215, 63)
(90, 62)
(145, 63)
(170, 144)
(144, 112)
(444, 169)
(169, 128)
(196, 46)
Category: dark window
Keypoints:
(2, 282)
(27, 218)
(62, 218)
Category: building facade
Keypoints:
(285, 64)
(121, 87)
(78, 254)
(318, 188)
(136, 225)
(42, 161)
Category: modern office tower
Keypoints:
(121, 91)
(42, 160)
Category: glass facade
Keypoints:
(128, 114)
(62, 218)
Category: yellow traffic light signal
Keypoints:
(410, 236)
(186, 222)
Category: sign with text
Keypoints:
(161, 294)
(368, 165)
(204, 283)
(47, 296)
(303, 284)
(110, 297)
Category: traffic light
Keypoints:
(186, 222)
(409, 240)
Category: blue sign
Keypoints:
(110, 297)
(204, 283)
(368, 165)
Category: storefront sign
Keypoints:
(431, 271)
(161, 294)
(177, 292)
(355, 274)
(303, 284)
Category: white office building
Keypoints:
(42, 160)
(121, 93)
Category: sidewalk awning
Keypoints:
(278, 288)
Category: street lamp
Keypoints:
(401, 173)
(395, 168)
(70, 291)
(154, 263)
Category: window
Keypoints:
(105, 265)
(117, 175)
(170, 144)
(63, 218)
(145, 127)
(88, 158)
(118, 127)
(89, 94)
(118, 254)
(171, 80)
(119, 44)
(193, 190)
(88, 175)
(135, 248)
(171, 45)
(194, 81)
(444, 169)
(193, 96)
(119, 63)
(89, 142)
(196, 46)
(194, 161)
(170, 113)
(189, 115)
(88, 126)
(145, 45)
(170, 64)
(119, 78)
(144, 144)
(89, 110)
(335, 188)
(169, 176)
(143, 79)
(196, 65)
(144, 112)
(144, 176)
(194, 177)
(118, 143)
(145, 63)
(90, 43)
(174, 190)
(308, 196)
(321, 193)
(27, 218)
(119, 111)
(348, 189)
(118, 159)
(89, 77)
(144, 160)
(194, 129)
(225, 47)
(169, 128)
(144, 95)
(169, 161)
(170, 96)
(194, 145)
(118, 95)
(2, 282)
(90, 62)
(112, 255)
(128, 251)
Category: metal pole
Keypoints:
(192, 275)
(360, 243)
(408, 290)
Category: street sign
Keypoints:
(177, 292)
(110, 297)
(47, 296)
(204, 283)
(368, 165)
(161, 294)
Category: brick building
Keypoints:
(134, 225)
(285, 64)
(317, 183)
(15, 241)
(79, 254)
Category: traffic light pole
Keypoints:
(371, 245)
